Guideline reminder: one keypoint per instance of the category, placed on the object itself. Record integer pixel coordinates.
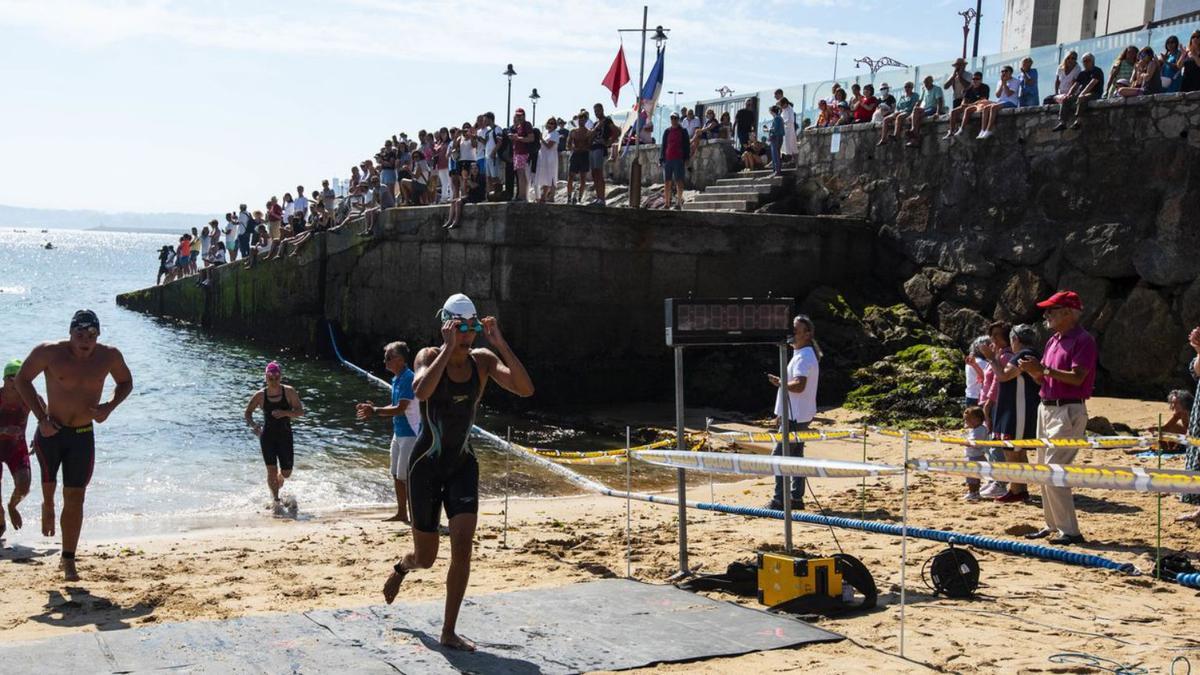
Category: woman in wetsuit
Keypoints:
(280, 403)
(442, 471)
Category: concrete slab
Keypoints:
(612, 624)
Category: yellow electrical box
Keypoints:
(783, 577)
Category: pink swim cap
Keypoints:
(274, 369)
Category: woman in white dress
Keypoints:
(546, 178)
(790, 147)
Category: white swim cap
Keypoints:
(457, 306)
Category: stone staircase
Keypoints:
(745, 191)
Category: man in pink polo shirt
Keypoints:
(1067, 373)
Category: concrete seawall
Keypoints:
(578, 291)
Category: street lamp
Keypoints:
(533, 98)
(968, 15)
(724, 91)
(508, 72)
(635, 169)
(878, 64)
(836, 46)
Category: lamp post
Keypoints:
(878, 64)
(978, 14)
(724, 91)
(967, 15)
(674, 105)
(836, 46)
(533, 99)
(508, 72)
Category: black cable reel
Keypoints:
(954, 572)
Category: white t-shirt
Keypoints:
(232, 235)
(300, 204)
(691, 125)
(243, 219)
(466, 151)
(489, 142)
(804, 404)
(974, 380)
(205, 242)
(1065, 81)
(1015, 97)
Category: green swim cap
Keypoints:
(12, 367)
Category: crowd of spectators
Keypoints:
(1077, 81)
(483, 161)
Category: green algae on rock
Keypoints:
(918, 387)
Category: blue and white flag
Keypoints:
(647, 101)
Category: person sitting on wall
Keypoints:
(1179, 402)
(975, 99)
(1087, 86)
(904, 109)
(1146, 80)
(756, 155)
(932, 104)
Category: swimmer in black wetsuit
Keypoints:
(443, 472)
(280, 403)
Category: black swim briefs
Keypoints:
(72, 448)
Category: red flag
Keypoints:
(618, 75)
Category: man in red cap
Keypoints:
(1067, 373)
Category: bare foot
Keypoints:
(452, 641)
(68, 568)
(47, 520)
(15, 516)
(392, 586)
(399, 517)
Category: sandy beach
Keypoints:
(1026, 611)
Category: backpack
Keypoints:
(504, 147)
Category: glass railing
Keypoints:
(1046, 60)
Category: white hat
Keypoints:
(457, 305)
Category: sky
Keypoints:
(196, 106)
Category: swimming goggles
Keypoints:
(474, 325)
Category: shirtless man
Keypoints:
(76, 370)
(14, 418)
(578, 142)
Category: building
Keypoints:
(1034, 23)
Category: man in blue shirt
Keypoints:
(406, 421)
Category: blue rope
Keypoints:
(986, 543)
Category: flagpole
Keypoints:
(635, 170)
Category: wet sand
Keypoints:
(1026, 611)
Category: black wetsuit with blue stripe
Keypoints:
(443, 471)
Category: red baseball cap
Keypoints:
(1068, 299)
(519, 111)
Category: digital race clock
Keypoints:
(725, 321)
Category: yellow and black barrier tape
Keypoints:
(1069, 475)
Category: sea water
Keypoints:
(177, 453)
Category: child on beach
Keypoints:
(976, 431)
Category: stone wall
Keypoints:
(980, 229)
(712, 161)
(578, 291)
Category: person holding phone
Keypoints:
(803, 371)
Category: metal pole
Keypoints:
(785, 418)
(534, 121)
(508, 105)
(903, 544)
(642, 68)
(835, 60)
(1158, 547)
(507, 454)
(628, 511)
(978, 14)
(966, 31)
(680, 444)
(862, 494)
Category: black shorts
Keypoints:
(72, 448)
(580, 162)
(431, 486)
(277, 450)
